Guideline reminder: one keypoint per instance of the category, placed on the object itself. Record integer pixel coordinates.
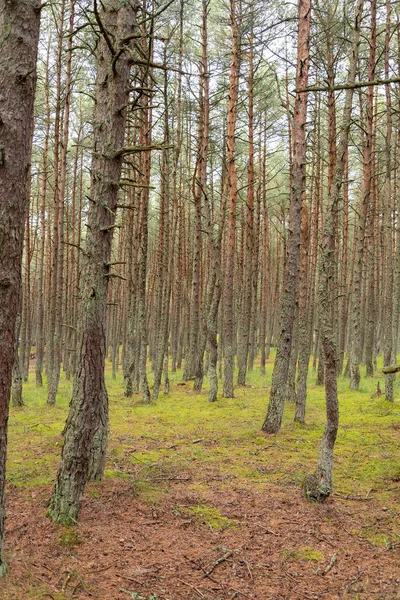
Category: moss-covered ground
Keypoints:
(152, 446)
(183, 429)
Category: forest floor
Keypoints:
(198, 504)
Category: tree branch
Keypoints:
(347, 86)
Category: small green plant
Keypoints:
(69, 537)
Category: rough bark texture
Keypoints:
(232, 186)
(19, 34)
(318, 486)
(246, 312)
(85, 441)
(356, 346)
(16, 387)
(388, 299)
(289, 302)
(304, 325)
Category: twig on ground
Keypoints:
(104, 568)
(129, 578)
(248, 568)
(267, 530)
(192, 587)
(355, 498)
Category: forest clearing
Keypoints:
(188, 483)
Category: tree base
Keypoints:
(315, 490)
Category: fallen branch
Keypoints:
(216, 563)
(129, 578)
(331, 564)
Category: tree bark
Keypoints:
(388, 298)
(318, 486)
(19, 35)
(246, 309)
(232, 186)
(355, 347)
(289, 300)
(85, 441)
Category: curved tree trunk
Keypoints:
(318, 486)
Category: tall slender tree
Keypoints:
(318, 486)
(289, 301)
(229, 351)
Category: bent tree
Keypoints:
(289, 302)
(318, 486)
(19, 35)
(85, 440)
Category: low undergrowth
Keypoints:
(181, 433)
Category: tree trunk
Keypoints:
(318, 486)
(246, 309)
(232, 186)
(85, 441)
(19, 34)
(16, 388)
(355, 347)
(388, 297)
(289, 300)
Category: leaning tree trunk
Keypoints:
(19, 35)
(289, 302)
(83, 453)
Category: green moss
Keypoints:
(152, 446)
(304, 553)
(210, 516)
(309, 553)
(366, 454)
(149, 492)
